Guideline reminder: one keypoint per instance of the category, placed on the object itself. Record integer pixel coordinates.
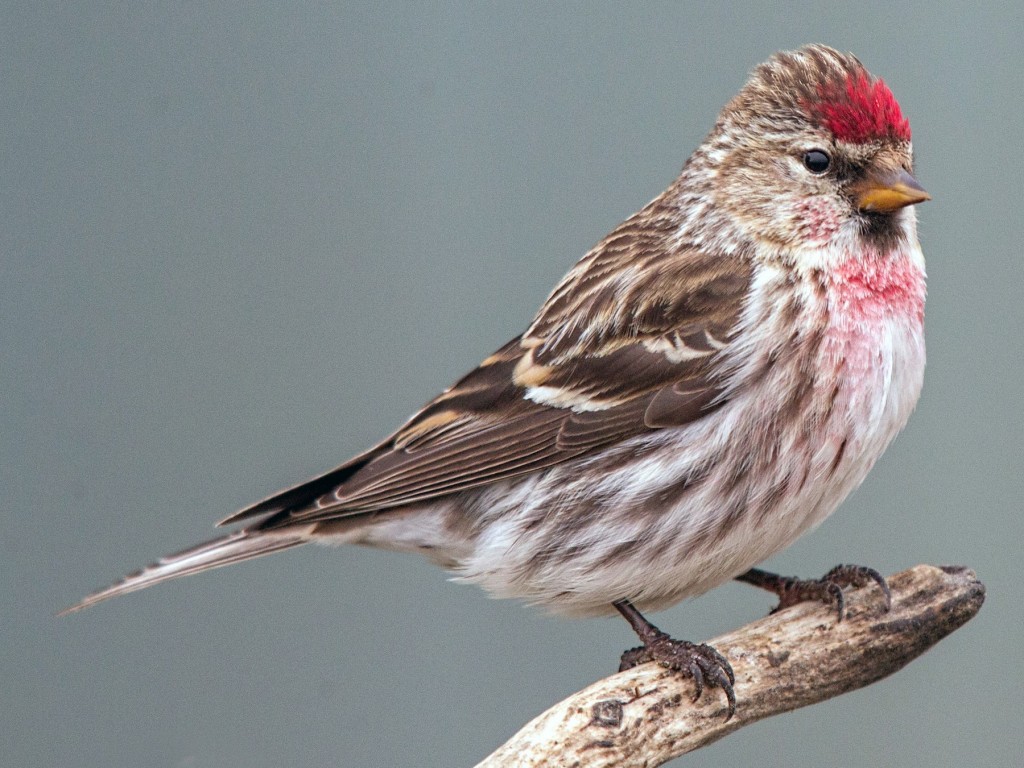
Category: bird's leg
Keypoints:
(828, 589)
(701, 662)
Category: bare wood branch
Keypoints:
(800, 656)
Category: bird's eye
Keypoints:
(816, 161)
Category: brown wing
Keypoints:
(613, 354)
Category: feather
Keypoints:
(233, 548)
(554, 395)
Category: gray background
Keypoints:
(240, 244)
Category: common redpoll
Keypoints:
(705, 385)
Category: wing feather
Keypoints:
(630, 341)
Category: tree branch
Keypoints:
(645, 716)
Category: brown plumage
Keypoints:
(705, 385)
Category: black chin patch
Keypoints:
(884, 231)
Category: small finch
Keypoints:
(704, 386)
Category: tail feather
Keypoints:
(233, 548)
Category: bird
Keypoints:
(705, 385)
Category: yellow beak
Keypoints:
(888, 192)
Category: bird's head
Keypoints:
(814, 150)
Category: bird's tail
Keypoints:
(233, 548)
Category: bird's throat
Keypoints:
(873, 286)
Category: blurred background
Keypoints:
(241, 242)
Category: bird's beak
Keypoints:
(888, 191)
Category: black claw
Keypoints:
(835, 596)
(698, 680)
(879, 579)
(725, 683)
(722, 664)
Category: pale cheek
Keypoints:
(817, 218)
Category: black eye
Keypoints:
(817, 161)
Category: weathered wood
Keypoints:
(800, 656)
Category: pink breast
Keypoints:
(871, 288)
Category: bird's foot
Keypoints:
(704, 664)
(828, 589)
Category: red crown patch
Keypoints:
(861, 110)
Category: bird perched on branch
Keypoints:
(704, 386)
